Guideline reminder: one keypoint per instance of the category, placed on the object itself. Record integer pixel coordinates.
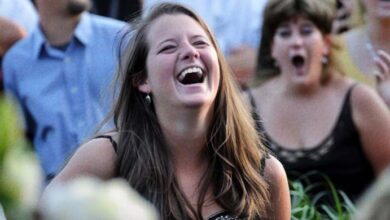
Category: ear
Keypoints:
(327, 44)
(144, 87)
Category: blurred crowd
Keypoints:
(314, 76)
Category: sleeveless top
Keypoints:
(339, 156)
(223, 215)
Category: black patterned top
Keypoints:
(222, 216)
(340, 156)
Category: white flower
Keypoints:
(88, 198)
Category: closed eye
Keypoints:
(167, 49)
(200, 43)
(284, 32)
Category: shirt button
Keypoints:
(67, 59)
(74, 90)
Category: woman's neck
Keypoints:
(185, 131)
(303, 90)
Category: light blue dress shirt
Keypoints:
(61, 92)
(234, 22)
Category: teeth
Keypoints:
(189, 70)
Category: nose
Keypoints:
(189, 52)
(297, 40)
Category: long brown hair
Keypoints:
(320, 12)
(233, 148)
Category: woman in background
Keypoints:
(365, 46)
(313, 118)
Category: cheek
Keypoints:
(210, 58)
(278, 46)
(214, 62)
(158, 69)
(278, 51)
(318, 44)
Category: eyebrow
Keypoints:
(164, 41)
(173, 39)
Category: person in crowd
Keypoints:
(21, 12)
(17, 19)
(124, 10)
(10, 34)
(57, 74)
(374, 202)
(362, 45)
(237, 26)
(183, 136)
(312, 117)
(348, 16)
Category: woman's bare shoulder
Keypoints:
(274, 170)
(275, 175)
(96, 157)
(264, 90)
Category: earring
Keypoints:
(324, 60)
(148, 99)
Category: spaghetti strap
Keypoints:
(114, 145)
(351, 88)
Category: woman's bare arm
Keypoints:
(280, 205)
(95, 158)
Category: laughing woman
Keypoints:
(313, 118)
(184, 139)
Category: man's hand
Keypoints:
(10, 33)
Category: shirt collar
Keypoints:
(38, 41)
(82, 33)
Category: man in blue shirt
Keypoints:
(17, 18)
(59, 73)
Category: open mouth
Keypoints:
(191, 75)
(298, 61)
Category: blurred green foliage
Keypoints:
(20, 177)
(306, 200)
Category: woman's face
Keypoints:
(378, 8)
(182, 63)
(299, 48)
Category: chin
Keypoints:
(197, 102)
(76, 7)
(303, 82)
(300, 79)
